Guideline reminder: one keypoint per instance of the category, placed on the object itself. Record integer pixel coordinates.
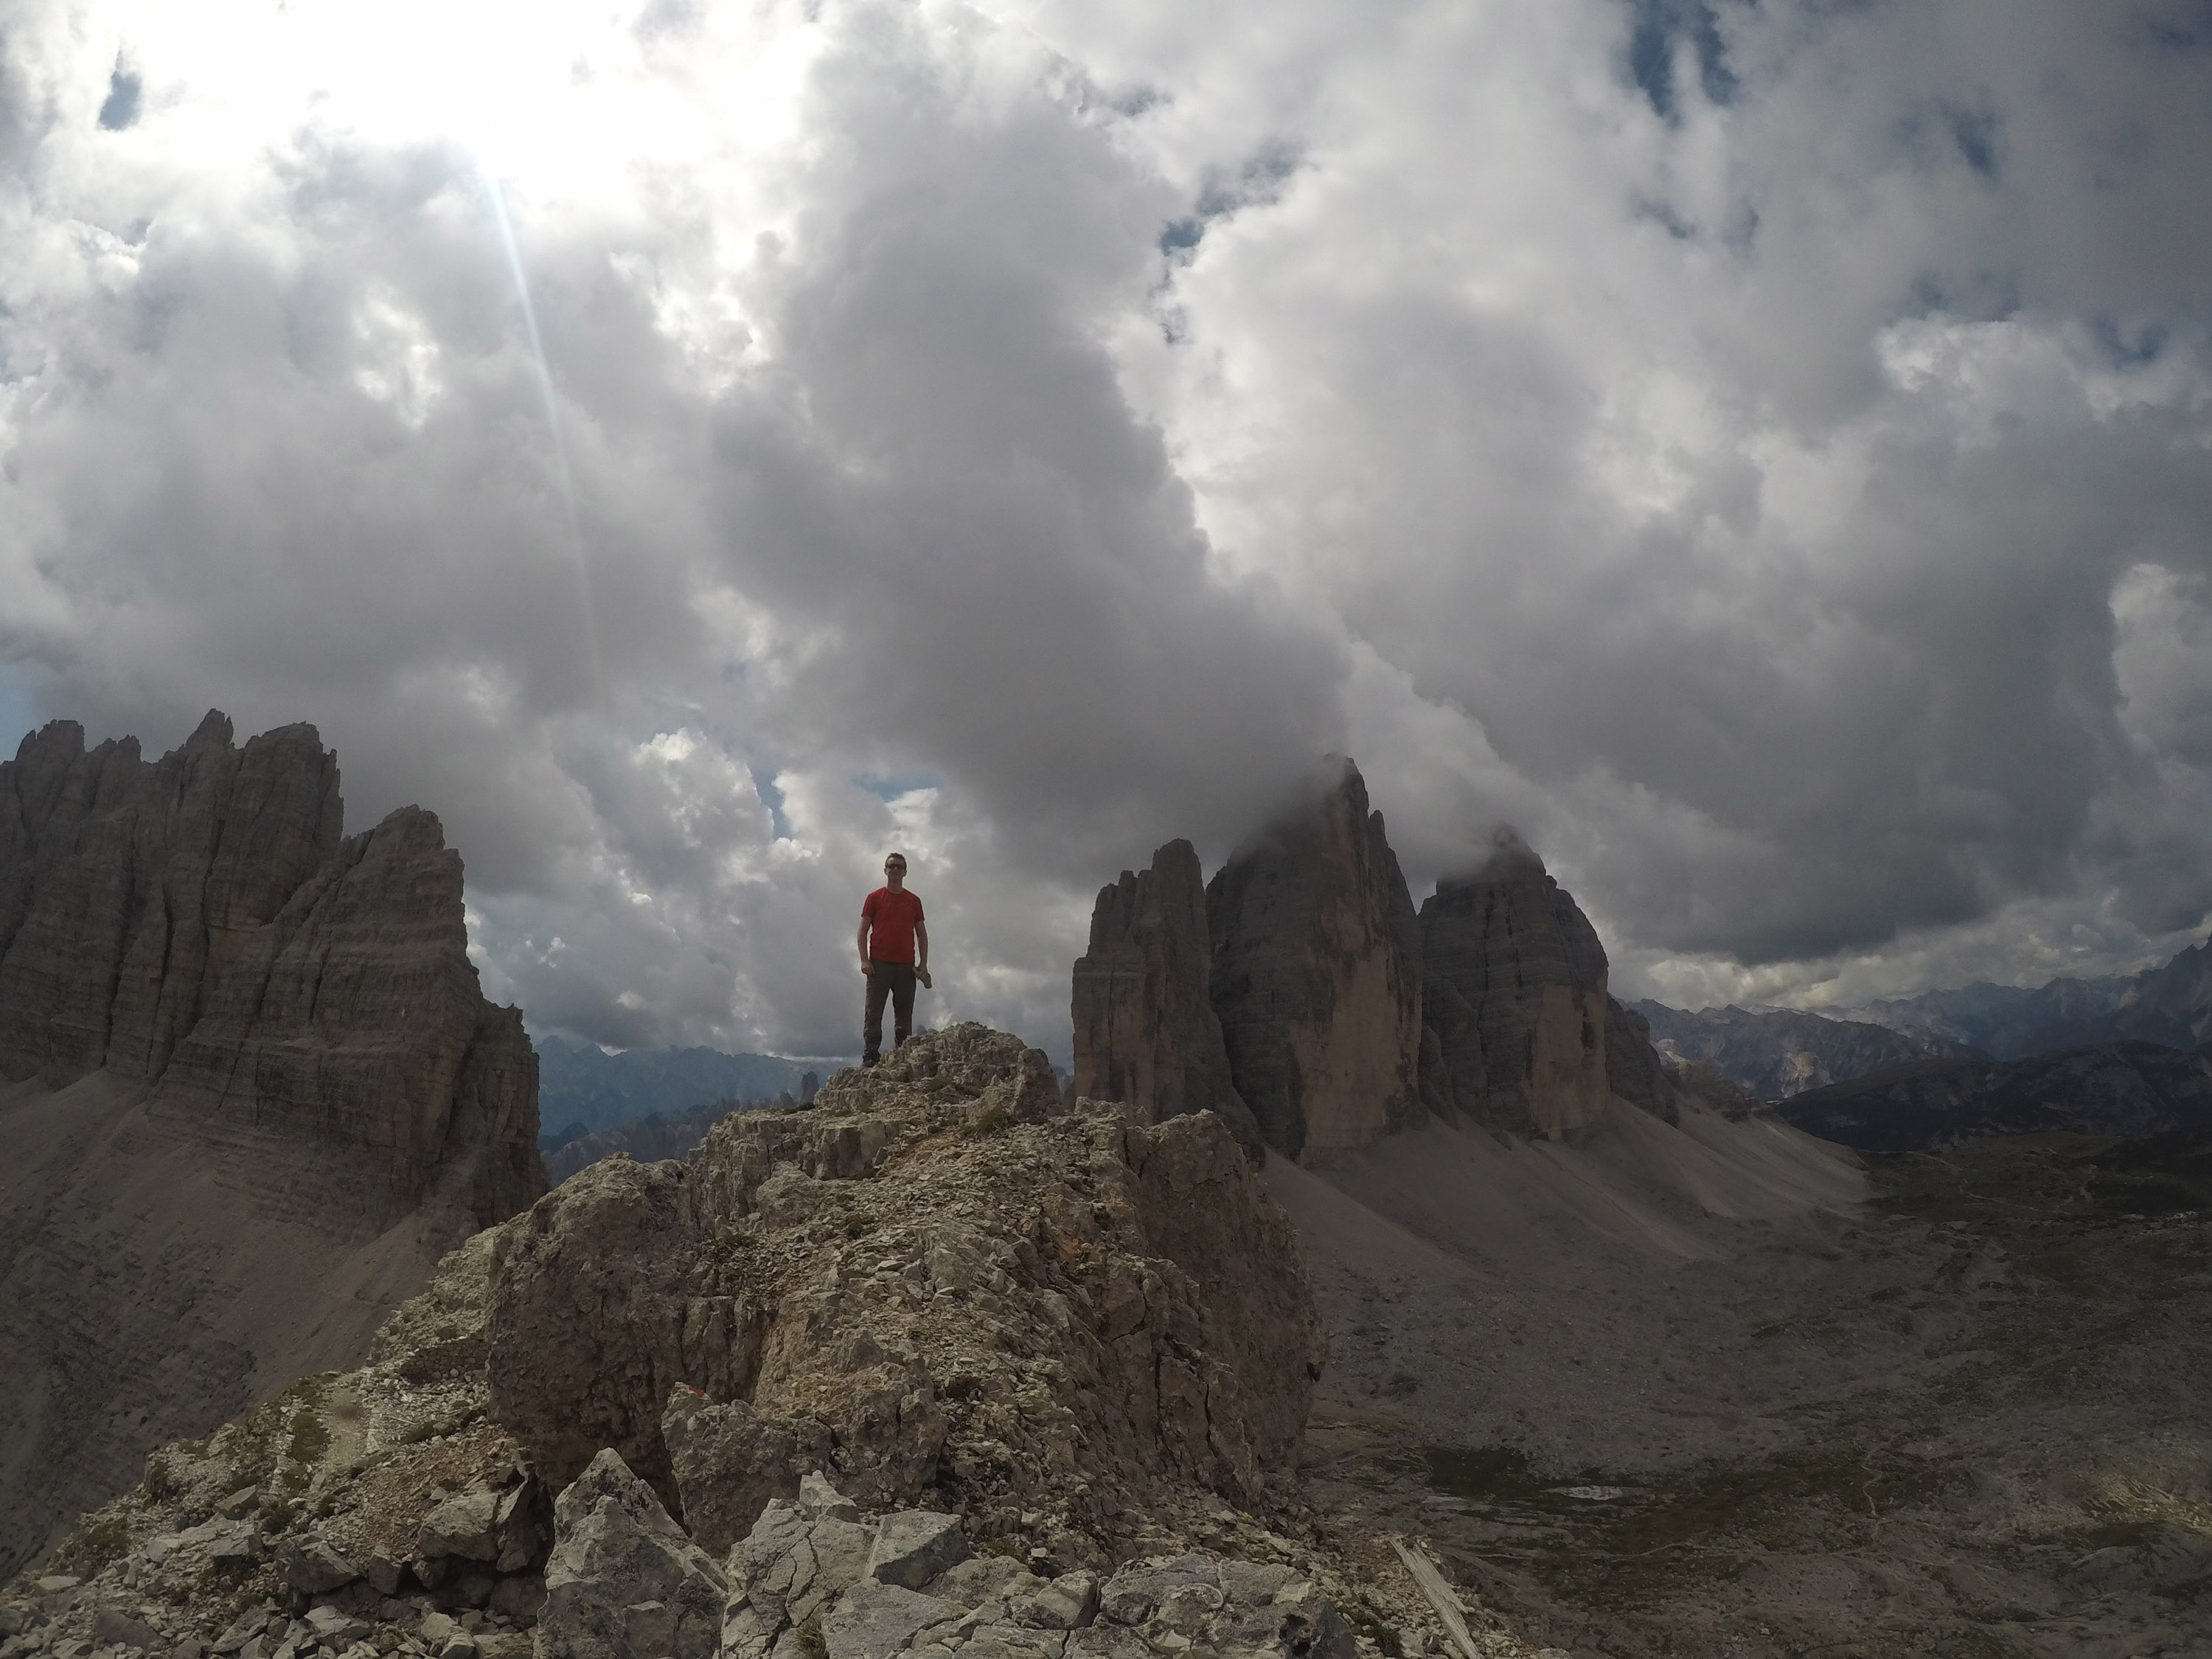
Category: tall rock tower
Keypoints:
(1317, 972)
(1516, 995)
(1146, 1033)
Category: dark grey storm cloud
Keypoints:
(1761, 451)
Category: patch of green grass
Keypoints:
(103, 1538)
(1365, 1622)
(159, 1482)
(993, 1120)
(1697, 1525)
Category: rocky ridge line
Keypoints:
(1778, 1052)
(1061, 1359)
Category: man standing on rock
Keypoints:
(890, 929)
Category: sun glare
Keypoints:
(557, 99)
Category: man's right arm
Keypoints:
(861, 943)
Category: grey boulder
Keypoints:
(623, 1581)
(914, 1546)
(312, 1567)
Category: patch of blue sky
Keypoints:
(1983, 295)
(2180, 27)
(772, 798)
(1657, 31)
(1257, 182)
(120, 108)
(889, 786)
(1974, 135)
(2129, 343)
(19, 715)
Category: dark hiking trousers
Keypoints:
(894, 979)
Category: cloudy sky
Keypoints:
(1761, 448)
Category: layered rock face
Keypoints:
(1515, 991)
(254, 1092)
(1338, 1015)
(1146, 1032)
(1317, 976)
(198, 924)
(934, 1281)
(127, 889)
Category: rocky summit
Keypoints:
(252, 1092)
(937, 1366)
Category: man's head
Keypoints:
(895, 871)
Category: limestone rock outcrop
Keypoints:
(250, 1091)
(1340, 1016)
(623, 1581)
(1146, 1032)
(1515, 992)
(198, 924)
(1317, 975)
(935, 1281)
(1638, 1073)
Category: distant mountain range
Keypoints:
(648, 1139)
(1780, 1052)
(583, 1090)
(2171, 1005)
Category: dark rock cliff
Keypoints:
(127, 889)
(1145, 1032)
(1317, 972)
(1515, 991)
(197, 923)
(249, 1092)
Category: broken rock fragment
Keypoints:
(806, 1581)
(313, 1566)
(729, 1461)
(623, 1581)
(914, 1546)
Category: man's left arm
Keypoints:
(921, 948)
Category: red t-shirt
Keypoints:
(891, 919)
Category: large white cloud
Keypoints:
(1760, 450)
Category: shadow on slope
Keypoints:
(1644, 1416)
(152, 1289)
